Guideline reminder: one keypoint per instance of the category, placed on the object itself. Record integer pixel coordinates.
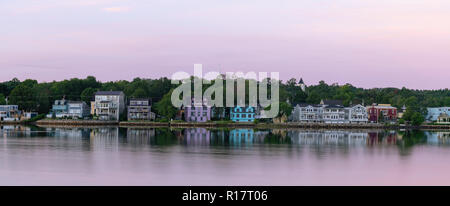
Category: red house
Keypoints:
(382, 113)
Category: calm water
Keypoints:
(152, 156)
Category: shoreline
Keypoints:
(286, 125)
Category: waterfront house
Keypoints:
(109, 105)
(329, 111)
(180, 114)
(382, 113)
(78, 109)
(443, 118)
(59, 109)
(435, 112)
(307, 113)
(357, 114)
(92, 107)
(28, 115)
(218, 113)
(242, 114)
(9, 112)
(140, 109)
(197, 112)
(334, 114)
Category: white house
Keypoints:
(307, 113)
(357, 114)
(334, 114)
(9, 113)
(109, 105)
(329, 111)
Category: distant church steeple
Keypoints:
(302, 85)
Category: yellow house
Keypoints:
(93, 107)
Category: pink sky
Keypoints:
(371, 43)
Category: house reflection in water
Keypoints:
(238, 136)
(140, 136)
(382, 137)
(105, 137)
(197, 136)
(21, 131)
(438, 138)
(246, 136)
(327, 137)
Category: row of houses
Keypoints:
(333, 111)
(111, 105)
(202, 112)
(12, 113)
(107, 105)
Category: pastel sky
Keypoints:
(368, 43)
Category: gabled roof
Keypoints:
(108, 93)
(301, 81)
(443, 115)
(332, 102)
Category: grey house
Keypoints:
(109, 105)
(140, 109)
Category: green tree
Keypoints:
(2, 99)
(165, 108)
(417, 119)
(283, 109)
(42, 97)
(88, 95)
(23, 95)
(139, 93)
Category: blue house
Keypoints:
(242, 114)
(59, 109)
(435, 112)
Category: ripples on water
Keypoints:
(199, 156)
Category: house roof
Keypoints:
(443, 115)
(139, 99)
(108, 93)
(76, 102)
(334, 106)
(354, 105)
(382, 106)
(305, 105)
(332, 102)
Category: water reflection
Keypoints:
(113, 137)
(200, 156)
